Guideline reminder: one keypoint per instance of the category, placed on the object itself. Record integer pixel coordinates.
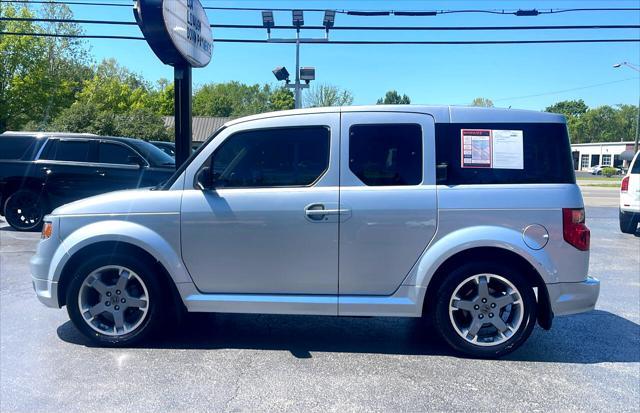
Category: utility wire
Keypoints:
(349, 42)
(367, 28)
(532, 12)
(567, 90)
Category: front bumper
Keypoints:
(46, 291)
(572, 298)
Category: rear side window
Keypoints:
(116, 154)
(546, 155)
(386, 154)
(272, 158)
(635, 169)
(68, 150)
(15, 147)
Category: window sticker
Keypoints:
(508, 151)
(476, 148)
(497, 149)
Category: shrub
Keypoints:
(609, 171)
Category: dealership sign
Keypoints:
(178, 31)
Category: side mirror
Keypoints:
(204, 178)
(136, 160)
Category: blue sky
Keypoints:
(427, 73)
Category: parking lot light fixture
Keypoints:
(298, 18)
(267, 21)
(329, 19)
(281, 73)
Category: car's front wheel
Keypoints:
(24, 210)
(485, 309)
(115, 300)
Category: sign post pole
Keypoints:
(179, 33)
(182, 90)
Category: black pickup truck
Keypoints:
(41, 171)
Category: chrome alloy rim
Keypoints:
(486, 309)
(113, 300)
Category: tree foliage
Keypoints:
(323, 95)
(482, 102)
(239, 99)
(392, 97)
(601, 124)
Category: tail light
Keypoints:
(574, 230)
(624, 185)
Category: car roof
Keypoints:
(27, 134)
(441, 114)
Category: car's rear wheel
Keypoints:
(628, 222)
(115, 300)
(485, 309)
(24, 210)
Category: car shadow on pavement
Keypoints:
(594, 337)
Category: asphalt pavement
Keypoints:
(304, 363)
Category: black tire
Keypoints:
(628, 222)
(444, 325)
(158, 298)
(25, 209)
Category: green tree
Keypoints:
(231, 99)
(569, 108)
(282, 99)
(20, 56)
(140, 123)
(323, 95)
(392, 97)
(161, 98)
(482, 102)
(38, 76)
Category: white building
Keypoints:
(586, 155)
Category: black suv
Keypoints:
(41, 171)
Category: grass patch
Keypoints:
(601, 185)
(598, 178)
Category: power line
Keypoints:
(343, 42)
(532, 12)
(567, 90)
(364, 28)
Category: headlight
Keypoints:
(47, 230)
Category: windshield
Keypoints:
(155, 155)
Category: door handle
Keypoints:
(317, 212)
(323, 212)
(101, 173)
(46, 170)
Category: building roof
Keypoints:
(201, 127)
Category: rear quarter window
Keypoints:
(546, 155)
(15, 147)
(635, 168)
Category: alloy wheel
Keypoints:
(486, 309)
(113, 300)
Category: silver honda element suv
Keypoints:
(469, 217)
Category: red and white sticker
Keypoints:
(476, 148)
(497, 149)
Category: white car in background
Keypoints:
(630, 198)
(597, 170)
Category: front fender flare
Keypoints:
(125, 232)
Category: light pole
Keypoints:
(306, 74)
(637, 69)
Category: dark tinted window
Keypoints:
(15, 147)
(116, 153)
(635, 169)
(386, 154)
(67, 150)
(154, 155)
(546, 157)
(272, 157)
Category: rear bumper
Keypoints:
(572, 298)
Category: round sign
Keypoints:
(178, 31)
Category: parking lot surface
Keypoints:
(302, 363)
